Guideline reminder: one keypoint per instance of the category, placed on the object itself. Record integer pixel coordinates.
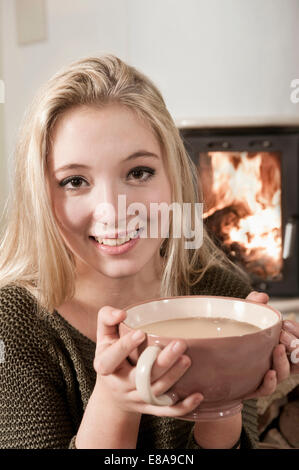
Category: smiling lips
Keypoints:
(117, 241)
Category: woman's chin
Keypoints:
(119, 273)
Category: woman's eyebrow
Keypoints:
(74, 166)
(141, 153)
(71, 166)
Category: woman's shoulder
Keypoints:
(222, 281)
(20, 320)
(16, 300)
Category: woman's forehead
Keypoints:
(109, 117)
(89, 132)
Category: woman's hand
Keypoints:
(116, 377)
(282, 367)
(290, 338)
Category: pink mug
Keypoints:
(224, 369)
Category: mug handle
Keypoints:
(143, 378)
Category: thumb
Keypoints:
(260, 297)
(107, 326)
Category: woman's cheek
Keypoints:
(71, 216)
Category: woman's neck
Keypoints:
(94, 291)
(118, 294)
(97, 290)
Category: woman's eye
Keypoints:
(142, 173)
(75, 181)
(139, 174)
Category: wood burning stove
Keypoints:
(250, 183)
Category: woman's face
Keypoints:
(97, 155)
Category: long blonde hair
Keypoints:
(32, 252)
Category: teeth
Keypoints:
(116, 241)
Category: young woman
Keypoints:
(99, 129)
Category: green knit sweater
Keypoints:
(47, 377)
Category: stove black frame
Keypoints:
(268, 139)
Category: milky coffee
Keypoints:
(199, 327)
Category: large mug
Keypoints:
(224, 369)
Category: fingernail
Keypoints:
(286, 336)
(288, 325)
(178, 347)
(273, 376)
(198, 399)
(185, 361)
(138, 335)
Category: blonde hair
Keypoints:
(32, 252)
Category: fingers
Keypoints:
(172, 376)
(288, 339)
(260, 297)
(268, 386)
(280, 372)
(168, 368)
(281, 363)
(108, 320)
(167, 358)
(179, 409)
(291, 327)
(107, 361)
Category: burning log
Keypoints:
(254, 261)
(223, 220)
(242, 208)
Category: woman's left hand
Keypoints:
(282, 368)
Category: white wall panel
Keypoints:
(219, 60)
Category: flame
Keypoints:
(242, 194)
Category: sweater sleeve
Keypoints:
(33, 406)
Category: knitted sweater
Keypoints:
(47, 377)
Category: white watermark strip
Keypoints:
(2, 92)
(295, 353)
(187, 220)
(294, 97)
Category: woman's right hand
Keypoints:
(116, 376)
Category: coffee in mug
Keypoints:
(199, 327)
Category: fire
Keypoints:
(242, 196)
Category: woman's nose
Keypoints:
(105, 213)
(109, 203)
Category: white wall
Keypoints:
(219, 59)
(76, 28)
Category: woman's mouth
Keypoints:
(117, 241)
(117, 245)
